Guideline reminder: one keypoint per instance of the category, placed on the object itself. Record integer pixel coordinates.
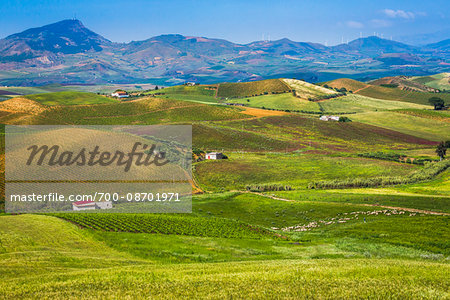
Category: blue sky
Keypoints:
(237, 21)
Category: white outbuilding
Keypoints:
(214, 155)
(91, 205)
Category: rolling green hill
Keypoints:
(409, 123)
(257, 230)
(354, 103)
(309, 91)
(70, 98)
(439, 81)
(249, 89)
(197, 93)
(349, 84)
(45, 256)
(404, 83)
(285, 101)
(144, 111)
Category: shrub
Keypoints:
(344, 119)
(389, 85)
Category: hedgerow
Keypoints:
(395, 157)
(268, 187)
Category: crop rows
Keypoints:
(164, 224)
(250, 89)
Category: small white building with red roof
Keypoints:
(120, 94)
(91, 205)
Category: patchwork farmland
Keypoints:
(290, 206)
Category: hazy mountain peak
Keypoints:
(67, 36)
(373, 44)
(77, 51)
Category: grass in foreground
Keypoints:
(48, 258)
(325, 278)
(45, 257)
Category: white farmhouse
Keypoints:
(329, 118)
(214, 155)
(91, 205)
(120, 94)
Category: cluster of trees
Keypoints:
(344, 119)
(198, 155)
(340, 90)
(438, 103)
(389, 85)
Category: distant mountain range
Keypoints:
(69, 53)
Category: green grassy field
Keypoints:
(292, 169)
(436, 130)
(391, 196)
(400, 95)
(226, 138)
(70, 98)
(285, 101)
(358, 104)
(352, 103)
(198, 93)
(357, 265)
(438, 115)
(438, 81)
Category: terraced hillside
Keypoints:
(309, 91)
(250, 89)
(143, 111)
(70, 98)
(439, 81)
(385, 93)
(404, 83)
